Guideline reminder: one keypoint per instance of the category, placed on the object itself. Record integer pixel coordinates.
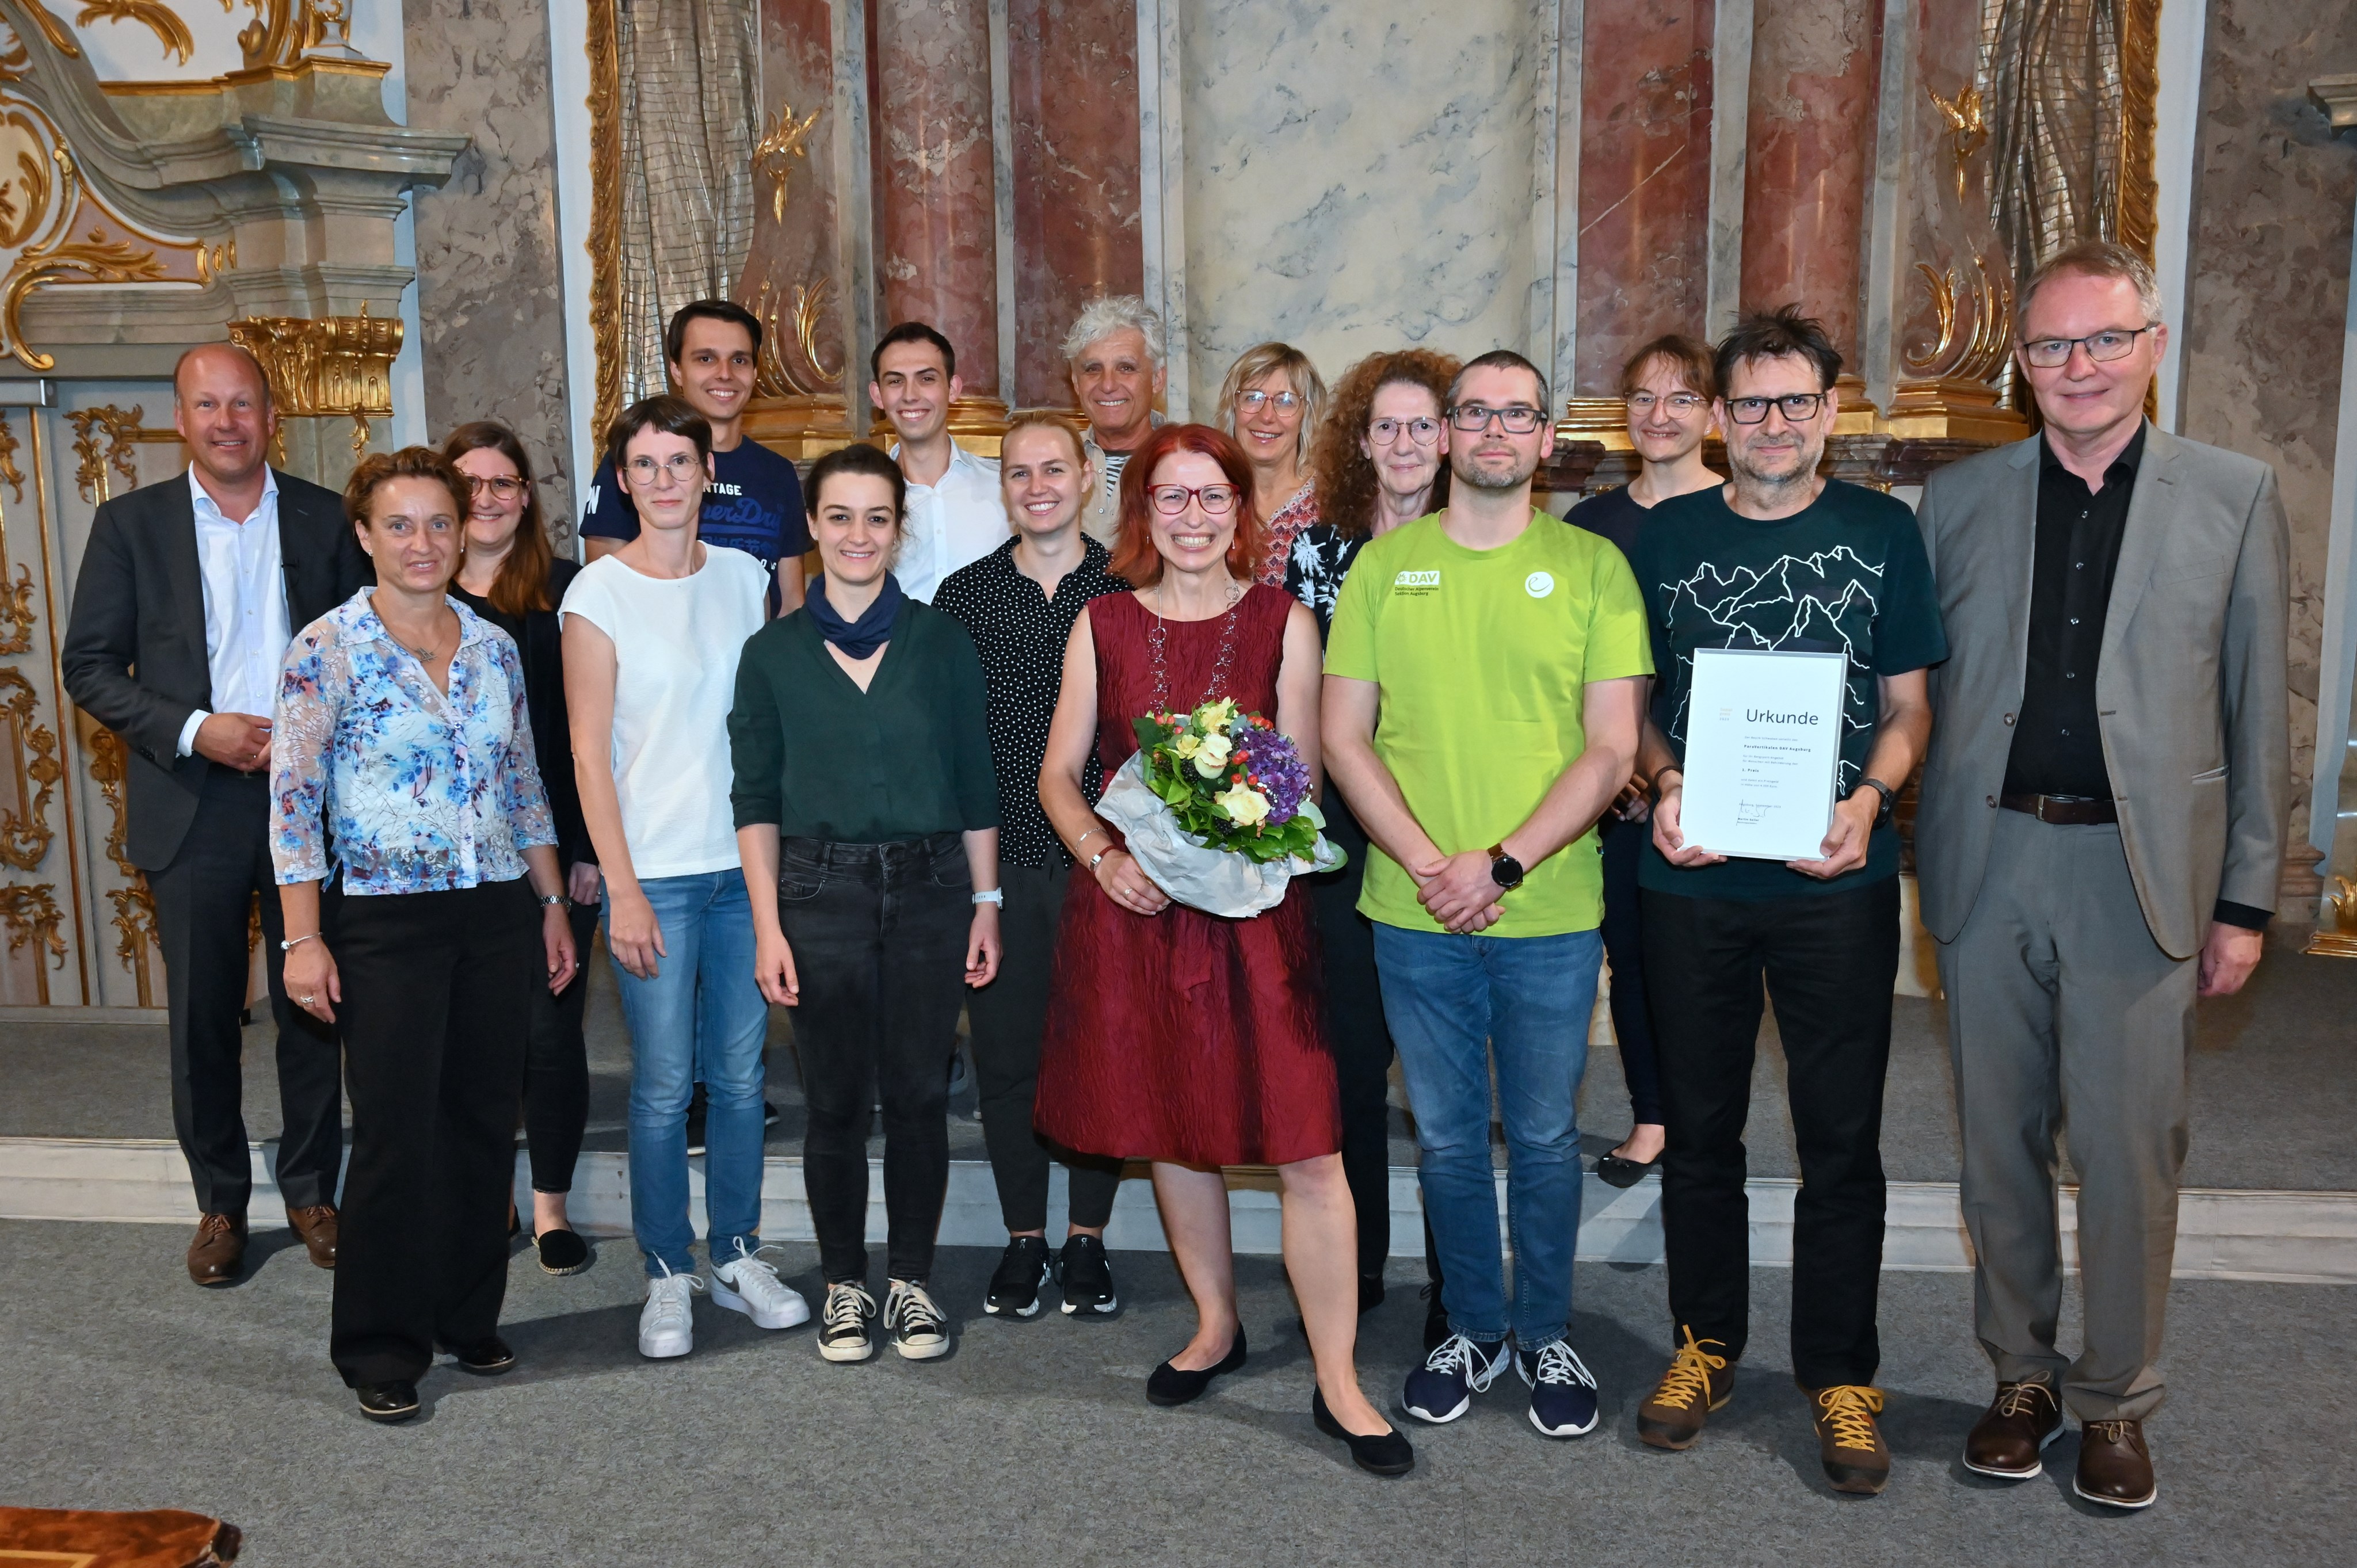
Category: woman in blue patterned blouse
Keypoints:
(402, 769)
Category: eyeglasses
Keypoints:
(1255, 401)
(647, 474)
(1679, 404)
(1423, 431)
(503, 487)
(1217, 499)
(1520, 419)
(1799, 407)
(2111, 343)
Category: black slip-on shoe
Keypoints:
(388, 1402)
(1171, 1385)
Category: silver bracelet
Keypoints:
(291, 943)
(996, 896)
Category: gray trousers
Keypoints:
(2062, 1010)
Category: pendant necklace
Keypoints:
(1160, 636)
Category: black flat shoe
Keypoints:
(485, 1357)
(1618, 1172)
(388, 1402)
(1385, 1454)
(561, 1251)
(1168, 1385)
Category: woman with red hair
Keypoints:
(1175, 1035)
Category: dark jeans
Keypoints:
(437, 1004)
(1362, 1040)
(1008, 1015)
(557, 1069)
(1632, 1028)
(1829, 962)
(879, 932)
(201, 900)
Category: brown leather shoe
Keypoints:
(1849, 1444)
(316, 1224)
(218, 1253)
(2114, 1466)
(1697, 1382)
(2020, 1424)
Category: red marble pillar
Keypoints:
(936, 215)
(1810, 158)
(1644, 179)
(1073, 85)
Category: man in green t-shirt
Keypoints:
(1780, 559)
(1483, 682)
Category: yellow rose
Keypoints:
(1211, 755)
(1243, 804)
(1217, 714)
(1187, 745)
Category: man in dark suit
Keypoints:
(190, 591)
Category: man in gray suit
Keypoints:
(2099, 840)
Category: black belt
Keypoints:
(2066, 810)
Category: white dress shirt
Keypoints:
(958, 519)
(246, 629)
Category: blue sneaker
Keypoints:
(1443, 1388)
(1563, 1390)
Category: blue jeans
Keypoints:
(1451, 1001)
(702, 1009)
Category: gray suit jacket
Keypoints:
(2190, 691)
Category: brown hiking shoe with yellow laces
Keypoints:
(1849, 1444)
(1698, 1383)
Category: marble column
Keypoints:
(1073, 87)
(1644, 179)
(936, 213)
(1808, 158)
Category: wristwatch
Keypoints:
(1504, 869)
(1890, 799)
(553, 900)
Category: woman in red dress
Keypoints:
(1187, 1039)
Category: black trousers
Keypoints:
(1008, 1016)
(1829, 962)
(201, 900)
(557, 1069)
(437, 1004)
(1624, 949)
(879, 932)
(1362, 1040)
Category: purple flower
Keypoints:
(1283, 777)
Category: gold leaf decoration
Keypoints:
(25, 836)
(9, 472)
(134, 905)
(91, 461)
(31, 916)
(780, 144)
(156, 17)
(96, 260)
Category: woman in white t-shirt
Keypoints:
(652, 636)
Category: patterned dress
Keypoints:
(1291, 517)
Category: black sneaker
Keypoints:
(1436, 1319)
(1563, 1390)
(847, 1324)
(1443, 1388)
(919, 1331)
(769, 1114)
(695, 1108)
(1085, 1276)
(1022, 1270)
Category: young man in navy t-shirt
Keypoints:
(754, 502)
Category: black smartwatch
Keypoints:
(1890, 799)
(1504, 869)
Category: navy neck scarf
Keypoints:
(860, 638)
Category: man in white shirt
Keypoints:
(1115, 355)
(954, 512)
(189, 592)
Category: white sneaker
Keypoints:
(919, 1331)
(747, 1285)
(666, 1328)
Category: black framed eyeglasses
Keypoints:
(1798, 408)
(1171, 500)
(1519, 418)
(2111, 343)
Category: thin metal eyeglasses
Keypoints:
(1680, 403)
(504, 487)
(1252, 401)
(681, 468)
(2111, 343)
(1422, 431)
(1520, 418)
(1799, 408)
(1217, 499)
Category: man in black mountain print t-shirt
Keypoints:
(1780, 559)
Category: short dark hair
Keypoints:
(1776, 334)
(859, 458)
(675, 331)
(912, 332)
(1689, 359)
(672, 416)
(1501, 360)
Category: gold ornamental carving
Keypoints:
(134, 906)
(605, 52)
(336, 365)
(10, 474)
(786, 139)
(93, 458)
(284, 31)
(158, 18)
(1973, 318)
(1967, 127)
(24, 831)
(790, 318)
(30, 914)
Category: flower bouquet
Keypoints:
(1216, 809)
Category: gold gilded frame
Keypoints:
(2140, 107)
(605, 210)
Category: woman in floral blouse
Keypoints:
(1272, 402)
(402, 768)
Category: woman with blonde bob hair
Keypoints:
(1271, 404)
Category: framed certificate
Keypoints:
(1763, 751)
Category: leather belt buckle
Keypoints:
(2059, 811)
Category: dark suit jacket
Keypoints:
(135, 650)
(541, 646)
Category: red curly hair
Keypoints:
(1134, 558)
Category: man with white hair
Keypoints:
(1115, 351)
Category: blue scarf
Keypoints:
(862, 637)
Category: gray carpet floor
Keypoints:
(122, 1386)
(2274, 1086)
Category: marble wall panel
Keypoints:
(1073, 83)
(795, 247)
(2267, 287)
(1644, 179)
(1941, 227)
(490, 293)
(936, 213)
(1808, 158)
(1357, 178)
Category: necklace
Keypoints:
(424, 655)
(1156, 639)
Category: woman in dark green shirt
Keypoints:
(868, 817)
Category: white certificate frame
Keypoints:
(1763, 751)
